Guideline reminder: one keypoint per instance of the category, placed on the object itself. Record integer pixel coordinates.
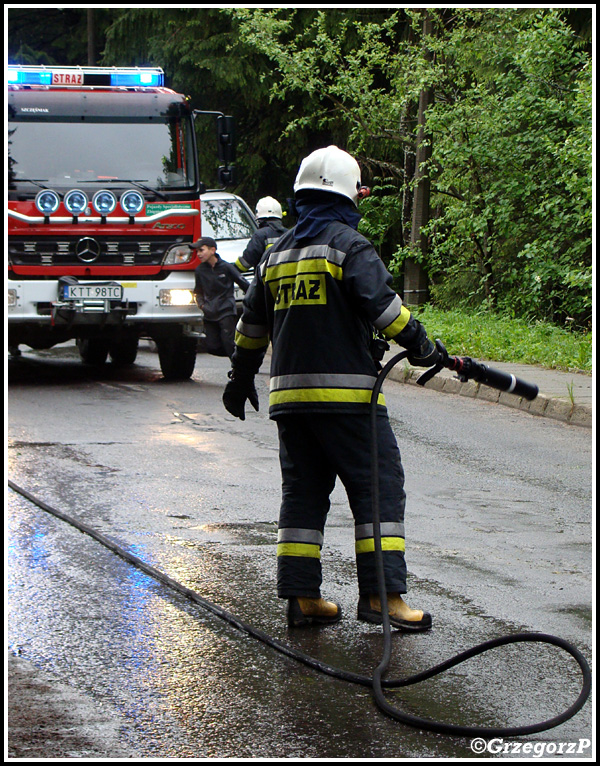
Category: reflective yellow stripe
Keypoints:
(322, 380)
(307, 266)
(299, 549)
(350, 395)
(243, 341)
(398, 324)
(387, 544)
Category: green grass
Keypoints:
(491, 337)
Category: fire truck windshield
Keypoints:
(66, 153)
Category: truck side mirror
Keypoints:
(226, 139)
(227, 175)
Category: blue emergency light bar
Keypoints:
(18, 77)
(66, 77)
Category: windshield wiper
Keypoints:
(148, 189)
(33, 181)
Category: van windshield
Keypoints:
(226, 219)
(64, 154)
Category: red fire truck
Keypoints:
(103, 200)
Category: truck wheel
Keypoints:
(177, 357)
(93, 350)
(123, 352)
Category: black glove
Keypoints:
(239, 388)
(425, 355)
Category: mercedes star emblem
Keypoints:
(87, 249)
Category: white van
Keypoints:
(230, 222)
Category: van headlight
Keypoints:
(178, 254)
(176, 297)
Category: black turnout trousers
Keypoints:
(314, 449)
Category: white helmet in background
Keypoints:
(267, 207)
(332, 170)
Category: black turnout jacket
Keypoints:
(264, 237)
(319, 301)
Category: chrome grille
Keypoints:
(114, 251)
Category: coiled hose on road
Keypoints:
(377, 682)
(467, 369)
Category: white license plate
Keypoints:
(113, 292)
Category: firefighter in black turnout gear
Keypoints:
(319, 295)
(270, 228)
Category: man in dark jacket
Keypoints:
(269, 215)
(319, 295)
(214, 294)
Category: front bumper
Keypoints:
(143, 302)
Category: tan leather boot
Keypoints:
(312, 611)
(401, 615)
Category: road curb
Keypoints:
(542, 406)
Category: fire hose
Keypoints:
(467, 369)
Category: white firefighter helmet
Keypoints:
(267, 207)
(330, 169)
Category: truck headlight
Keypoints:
(132, 202)
(104, 202)
(176, 297)
(76, 202)
(47, 201)
(12, 297)
(178, 254)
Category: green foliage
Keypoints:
(511, 166)
(342, 64)
(510, 131)
(380, 211)
(46, 35)
(484, 335)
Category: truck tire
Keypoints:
(177, 357)
(124, 352)
(93, 350)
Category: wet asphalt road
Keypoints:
(498, 541)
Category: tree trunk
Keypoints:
(91, 37)
(415, 278)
